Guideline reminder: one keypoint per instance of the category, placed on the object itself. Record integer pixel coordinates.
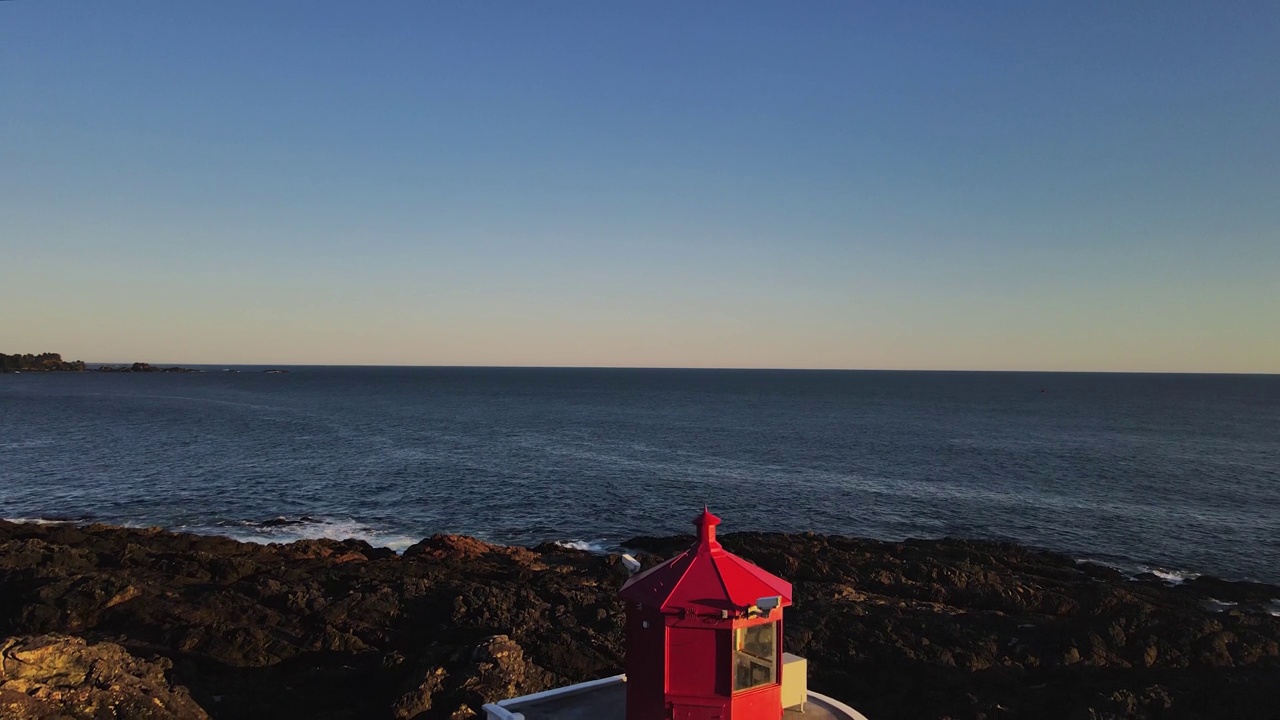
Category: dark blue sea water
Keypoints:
(1176, 472)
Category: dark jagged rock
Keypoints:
(917, 629)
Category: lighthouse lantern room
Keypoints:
(704, 636)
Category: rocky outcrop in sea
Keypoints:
(103, 622)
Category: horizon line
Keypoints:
(691, 368)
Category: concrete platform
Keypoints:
(606, 700)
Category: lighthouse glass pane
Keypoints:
(755, 656)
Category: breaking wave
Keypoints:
(600, 547)
(55, 520)
(1138, 572)
(1173, 577)
(283, 529)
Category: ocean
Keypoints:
(1175, 474)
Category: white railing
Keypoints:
(493, 711)
(506, 709)
(502, 710)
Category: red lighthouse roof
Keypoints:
(706, 577)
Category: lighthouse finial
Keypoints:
(706, 524)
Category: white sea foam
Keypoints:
(1173, 577)
(1214, 605)
(38, 521)
(599, 547)
(285, 530)
(277, 530)
(1274, 609)
(1135, 572)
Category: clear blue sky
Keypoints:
(1002, 185)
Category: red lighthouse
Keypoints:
(704, 636)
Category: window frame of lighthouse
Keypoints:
(755, 656)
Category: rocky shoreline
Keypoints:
(105, 622)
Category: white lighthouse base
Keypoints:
(606, 699)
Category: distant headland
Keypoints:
(53, 362)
